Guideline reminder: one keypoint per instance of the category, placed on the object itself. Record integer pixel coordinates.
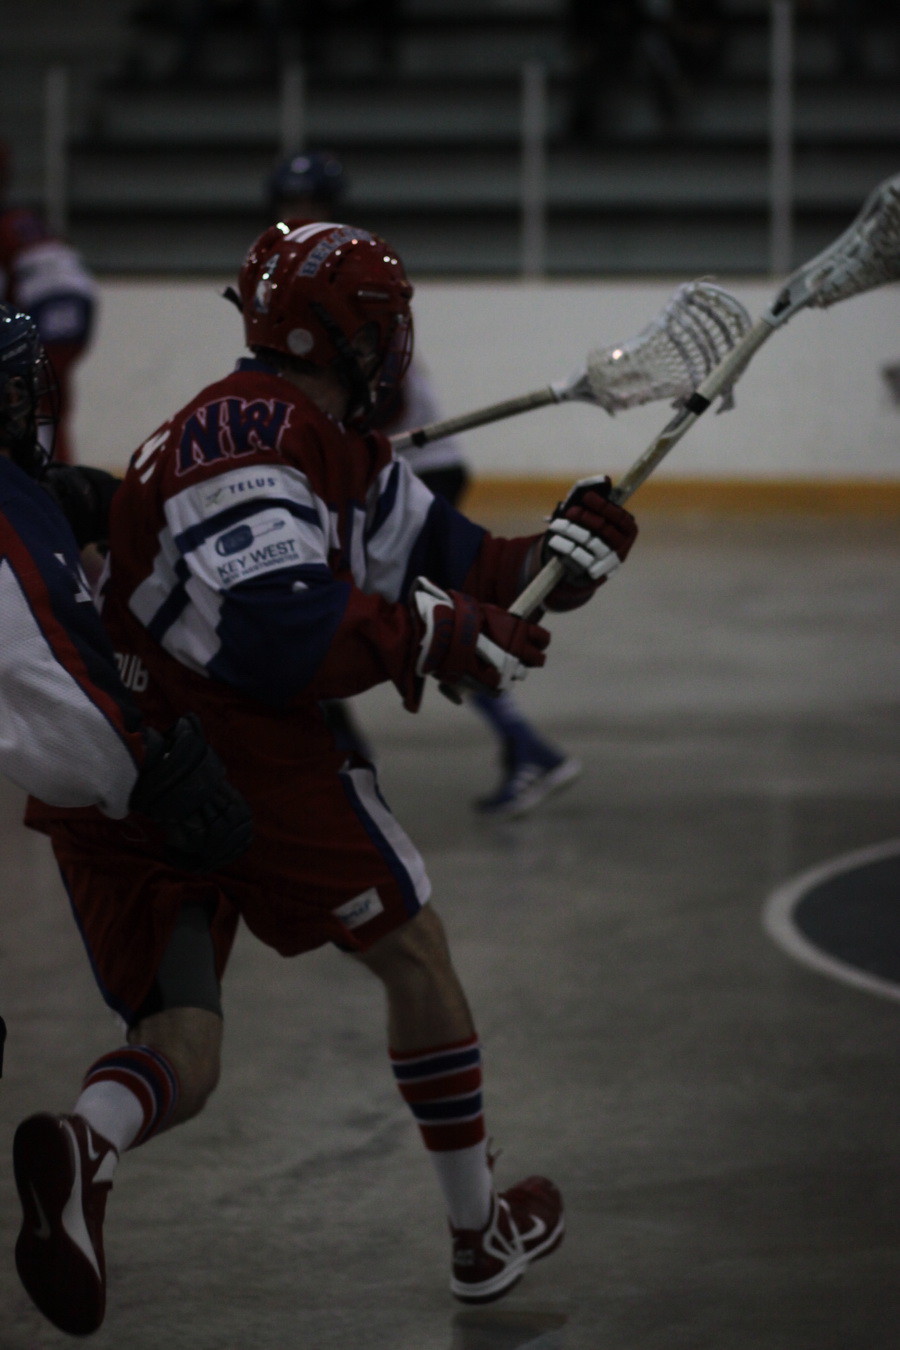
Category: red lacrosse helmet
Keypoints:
(334, 296)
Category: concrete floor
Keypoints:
(721, 1120)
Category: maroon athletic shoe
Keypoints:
(63, 1171)
(526, 1223)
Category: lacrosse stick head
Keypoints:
(866, 255)
(669, 358)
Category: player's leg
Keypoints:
(436, 1059)
(531, 767)
(356, 879)
(65, 1164)
(426, 1002)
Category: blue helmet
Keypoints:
(316, 174)
(28, 393)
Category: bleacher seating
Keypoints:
(167, 170)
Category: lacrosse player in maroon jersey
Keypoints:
(267, 551)
(312, 185)
(45, 277)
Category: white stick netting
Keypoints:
(673, 355)
(865, 255)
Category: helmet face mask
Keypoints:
(364, 345)
(28, 393)
(394, 365)
(335, 298)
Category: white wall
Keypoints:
(812, 405)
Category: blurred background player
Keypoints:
(70, 732)
(44, 276)
(268, 551)
(310, 186)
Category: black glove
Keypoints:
(183, 787)
(84, 496)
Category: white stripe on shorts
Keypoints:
(365, 785)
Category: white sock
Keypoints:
(113, 1111)
(465, 1179)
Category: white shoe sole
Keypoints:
(506, 1279)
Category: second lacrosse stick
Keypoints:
(866, 255)
(667, 359)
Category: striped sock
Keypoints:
(128, 1095)
(442, 1087)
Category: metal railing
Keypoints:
(781, 138)
(292, 135)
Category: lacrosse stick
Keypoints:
(865, 256)
(667, 359)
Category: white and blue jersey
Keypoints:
(69, 733)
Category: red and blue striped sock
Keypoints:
(442, 1087)
(128, 1095)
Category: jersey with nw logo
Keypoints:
(264, 550)
(261, 557)
(68, 728)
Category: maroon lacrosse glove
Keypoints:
(591, 537)
(465, 643)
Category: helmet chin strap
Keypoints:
(361, 401)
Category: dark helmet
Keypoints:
(332, 296)
(313, 175)
(28, 393)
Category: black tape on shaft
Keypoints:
(697, 403)
(2, 1039)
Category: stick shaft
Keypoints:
(549, 577)
(435, 431)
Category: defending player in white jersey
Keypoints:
(268, 552)
(69, 730)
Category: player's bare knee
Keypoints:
(417, 950)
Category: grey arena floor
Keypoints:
(722, 1121)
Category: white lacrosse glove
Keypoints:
(591, 536)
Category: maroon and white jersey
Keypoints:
(69, 733)
(260, 560)
(262, 553)
(45, 277)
